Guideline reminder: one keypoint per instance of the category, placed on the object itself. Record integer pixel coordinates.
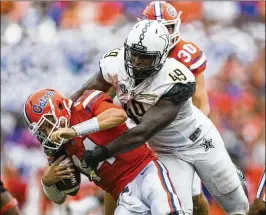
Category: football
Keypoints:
(69, 186)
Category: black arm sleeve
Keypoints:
(180, 92)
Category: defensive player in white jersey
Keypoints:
(156, 93)
(258, 207)
(191, 55)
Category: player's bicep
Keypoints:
(101, 106)
(110, 115)
(105, 105)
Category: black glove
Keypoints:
(93, 158)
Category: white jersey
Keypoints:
(190, 124)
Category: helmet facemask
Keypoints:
(173, 28)
(44, 128)
(141, 64)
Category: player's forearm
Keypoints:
(54, 194)
(95, 82)
(165, 113)
(129, 140)
(105, 120)
(111, 118)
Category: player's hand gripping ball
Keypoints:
(63, 174)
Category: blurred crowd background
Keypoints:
(58, 44)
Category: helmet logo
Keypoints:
(144, 30)
(37, 108)
(171, 10)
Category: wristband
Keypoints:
(87, 127)
(53, 193)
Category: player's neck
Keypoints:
(138, 81)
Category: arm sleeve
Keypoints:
(199, 61)
(180, 92)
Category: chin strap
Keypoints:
(70, 103)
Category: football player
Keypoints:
(156, 93)
(259, 205)
(91, 122)
(194, 58)
(8, 204)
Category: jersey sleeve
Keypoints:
(108, 65)
(180, 92)
(199, 62)
(192, 56)
(95, 102)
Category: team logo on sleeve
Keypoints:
(207, 144)
(123, 88)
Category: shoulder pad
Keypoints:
(110, 63)
(91, 99)
(177, 72)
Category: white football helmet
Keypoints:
(146, 49)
